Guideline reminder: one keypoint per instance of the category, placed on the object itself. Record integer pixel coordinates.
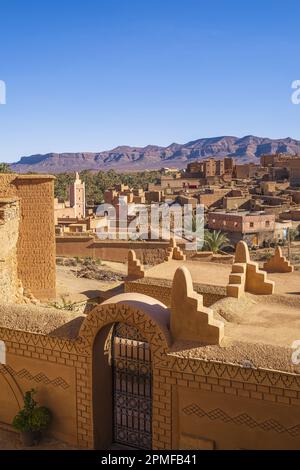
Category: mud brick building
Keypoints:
(75, 207)
(255, 228)
(36, 234)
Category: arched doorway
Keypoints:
(141, 319)
(132, 388)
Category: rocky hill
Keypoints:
(124, 158)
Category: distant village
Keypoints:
(259, 204)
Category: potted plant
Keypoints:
(31, 420)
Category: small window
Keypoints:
(235, 224)
(224, 222)
(251, 224)
(267, 223)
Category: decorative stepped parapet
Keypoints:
(135, 267)
(190, 320)
(256, 281)
(278, 263)
(246, 276)
(174, 252)
(237, 279)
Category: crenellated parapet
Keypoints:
(190, 320)
(278, 263)
(246, 276)
(135, 267)
(174, 252)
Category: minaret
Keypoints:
(77, 197)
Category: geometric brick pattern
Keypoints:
(280, 388)
(156, 335)
(241, 420)
(235, 372)
(40, 378)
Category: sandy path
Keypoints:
(80, 289)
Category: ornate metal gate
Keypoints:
(132, 377)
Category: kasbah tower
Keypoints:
(77, 197)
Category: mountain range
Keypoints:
(125, 158)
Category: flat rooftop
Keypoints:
(201, 272)
(217, 274)
(40, 320)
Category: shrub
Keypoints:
(32, 417)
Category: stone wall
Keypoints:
(9, 233)
(36, 241)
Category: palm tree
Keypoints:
(215, 241)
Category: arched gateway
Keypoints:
(128, 337)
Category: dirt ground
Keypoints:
(202, 273)
(11, 441)
(262, 254)
(218, 275)
(79, 289)
(261, 319)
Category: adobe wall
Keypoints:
(213, 200)
(36, 231)
(49, 365)
(293, 215)
(161, 290)
(9, 233)
(223, 221)
(237, 202)
(147, 252)
(196, 404)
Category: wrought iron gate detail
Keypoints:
(132, 377)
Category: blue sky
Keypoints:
(88, 75)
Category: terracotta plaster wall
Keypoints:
(162, 291)
(196, 404)
(50, 366)
(36, 241)
(219, 406)
(147, 253)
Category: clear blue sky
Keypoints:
(88, 75)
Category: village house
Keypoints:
(253, 227)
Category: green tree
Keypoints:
(97, 183)
(93, 191)
(216, 241)
(5, 168)
(61, 185)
